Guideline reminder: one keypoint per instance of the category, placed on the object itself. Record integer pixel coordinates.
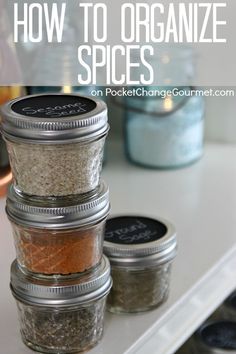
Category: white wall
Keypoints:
(221, 119)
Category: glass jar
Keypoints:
(62, 238)
(55, 143)
(165, 130)
(141, 251)
(218, 337)
(6, 93)
(61, 317)
(173, 65)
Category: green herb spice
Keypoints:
(64, 315)
(136, 290)
(141, 251)
(56, 330)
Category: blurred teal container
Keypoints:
(165, 131)
(84, 90)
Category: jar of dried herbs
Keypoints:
(60, 238)
(217, 337)
(55, 143)
(141, 251)
(65, 316)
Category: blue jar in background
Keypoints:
(164, 131)
(83, 90)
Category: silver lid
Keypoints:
(62, 292)
(231, 301)
(215, 337)
(58, 214)
(139, 241)
(54, 118)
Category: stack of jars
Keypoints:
(57, 207)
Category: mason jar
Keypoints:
(141, 251)
(61, 238)
(55, 143)
(61, 317)
(164, 128)
(218, 337)
(173, 65)
(7, 93)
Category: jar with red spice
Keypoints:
(62, 237)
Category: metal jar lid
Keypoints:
(54, 118)
(231, 301)
(139, 241)
(66, 213)
(228, 308)
(218, 337)
(62, 292)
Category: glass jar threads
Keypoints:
(217, 337)
(141, 251)
(61, 238)
(65, 316)
(55, 143)
(165, 130)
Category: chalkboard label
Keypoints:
(54, 106)
(220, 335)
(134, 230)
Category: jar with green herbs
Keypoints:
(66, 316)
(60, 238)
(141, 251)
(55, 143)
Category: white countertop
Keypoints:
(201, 201)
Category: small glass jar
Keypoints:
(58, 239)
(55, 143)
(218, 337)
(228, 308)
(141, 251)
(6, 93)
(164, 130)
(61, 317)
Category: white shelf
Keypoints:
(201, 201)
